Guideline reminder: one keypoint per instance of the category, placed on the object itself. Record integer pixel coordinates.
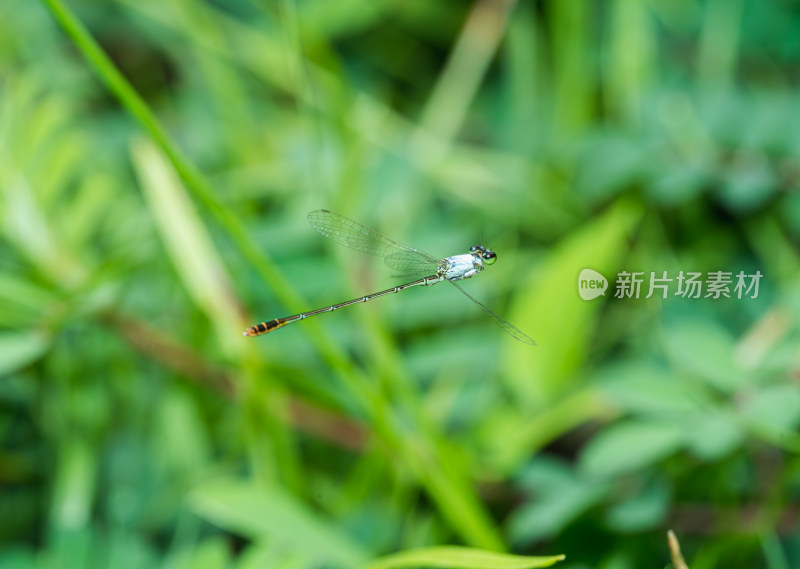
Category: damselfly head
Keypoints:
(483, 253)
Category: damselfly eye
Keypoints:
(474, 248)
(489, 257)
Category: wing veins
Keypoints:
(499, 320)
(351, 234)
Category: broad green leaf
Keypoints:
(547, 515)
(629, 446)
(267, 555)
(749, 182)
(547, 474)
(670, 186)
(644, 511)
(22, 300)
(510, 436)
(704, 348)
(715, 433)
(262, 512)
(609, 164)
(557, 317)
(775, 410)
(213, 553)
(641, 386)
(19, 349)
(558, 497)
(75, 486)
(461, 558)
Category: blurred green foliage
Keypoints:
(157, 159)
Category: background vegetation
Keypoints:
(140, 234)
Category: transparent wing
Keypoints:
(504, 324)
(411, 264)
(354, 235)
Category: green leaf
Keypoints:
(462, 558)
(19, 349)
(610, 163)
(556, 315)
(715, 433)
(269, 513)
(672, 186)
(74, 486)
(22, 302)
(212, 553)
(640, 386)
(749, 182)
(260, 555)
(775, 410)
(644, 511)
(629, 446)
(704, 348)
(551, 513)
(559, 497)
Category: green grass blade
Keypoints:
(461, 558)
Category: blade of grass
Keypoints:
(270, 513)
(719, 42)
(468, 63)
(461, 558)
(631, 59)
(188, 243)
(204, 277)
(573, 76)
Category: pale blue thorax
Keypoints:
(460, 267)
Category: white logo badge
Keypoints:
(591, 284)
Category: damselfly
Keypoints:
(425, 269)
